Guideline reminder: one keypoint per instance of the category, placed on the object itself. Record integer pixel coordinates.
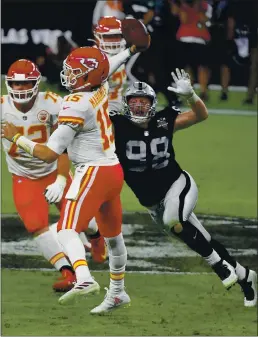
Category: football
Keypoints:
(135, 33)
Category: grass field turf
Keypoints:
(162, 305)
(220, 154)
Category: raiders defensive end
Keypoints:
(144, 145)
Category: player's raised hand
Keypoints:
(137, 49)
(9, 131)
(54, 192)
(183, 85)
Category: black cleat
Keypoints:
(224, 96)
(249, 288)
(226, 273)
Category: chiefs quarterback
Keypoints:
(85, 130)
(35, 114)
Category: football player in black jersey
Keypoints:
(144, 146)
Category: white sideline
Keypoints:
(217, 87)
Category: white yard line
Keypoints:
(232, 112)
(228, 112)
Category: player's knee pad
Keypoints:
(117, 253)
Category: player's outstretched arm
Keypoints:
(46, 153)
(117, 60)
(184, 89)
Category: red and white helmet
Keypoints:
(108, 35)
(84, 68)
(22, 71)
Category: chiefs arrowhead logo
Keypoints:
(43, 116)
(90, 63)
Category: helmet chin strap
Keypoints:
(81, 87)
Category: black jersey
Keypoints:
(147, 155)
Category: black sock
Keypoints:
(222, 251)
(94, 236)
(194, 239)
(67, 267)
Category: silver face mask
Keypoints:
(143, 112)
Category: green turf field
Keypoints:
(162, 305)
(220, 154)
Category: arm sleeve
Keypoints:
(61, 138)
(116, 61)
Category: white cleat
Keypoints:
(226, 273)
(112, 301)
(80, 289)
(249, 288)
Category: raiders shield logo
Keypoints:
(162, 123)
(43, 116)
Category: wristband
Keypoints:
(14, 139)
(194, 98)
(26, 144)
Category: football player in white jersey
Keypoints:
(35, 115)
(109, 39)
(85, 130)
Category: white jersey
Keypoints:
(87, 113)
(36, 125)
(116, 83)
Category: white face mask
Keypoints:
(109, 47)
(22, 96)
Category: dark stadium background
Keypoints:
(77, 16)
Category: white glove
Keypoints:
(54, 192)
(183, 85)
